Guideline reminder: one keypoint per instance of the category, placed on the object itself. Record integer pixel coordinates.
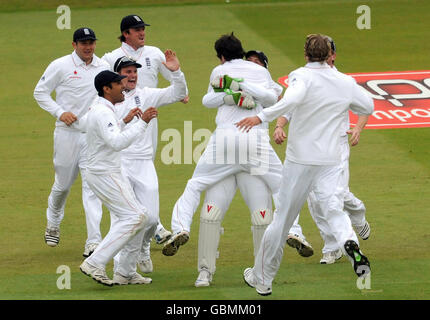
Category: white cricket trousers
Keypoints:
(228, 152)
(143, 179)
(297, 181)
(70, 157)
(128, 216)
(353, 206)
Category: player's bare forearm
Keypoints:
(356, 131)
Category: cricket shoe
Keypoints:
(204, 279)
(364, 231)
(145, 265)
(52, 236)
(331, 257)
(136, 278)
(173, 244)
(360, 262)
(303, 247)
(162, 236)
(89, 249)
(249, 278)
(98, 274)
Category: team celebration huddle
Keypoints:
(106, 129)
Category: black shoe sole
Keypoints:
(361, 263)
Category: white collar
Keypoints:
(317, 65)
(130, 49)
(78, 61)
(107, 103)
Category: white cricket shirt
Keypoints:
(151, 58)
(73, 83)
(105, 138)
(143, 148)
(319, 98)
(257, 82)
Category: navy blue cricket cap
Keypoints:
(332, 44)
(132, 21)
(105, 78)
(125, 62)
(83, 34)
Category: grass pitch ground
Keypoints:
(390, 169)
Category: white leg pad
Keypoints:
(209, 235)
(260, 220)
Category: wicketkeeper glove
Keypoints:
(239, 98)
(225, 82)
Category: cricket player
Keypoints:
(353, 206)
(229, 152)
(318, 97)
(71, 77)
(258, 198)
(133, 45)
(105, 140)
(137, 161)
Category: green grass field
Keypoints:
(390, 169)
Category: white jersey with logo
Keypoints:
(144, 98)
(73, 82)
(151, 58)
(105, 138)
(310, 140)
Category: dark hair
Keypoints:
(101, 93)
(317, 48)
(229, 47)
(121, 37)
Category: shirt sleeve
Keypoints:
(266, 96)
(362, 103)
(177, 91)
(49, 81)
(213, 99)
(111, 133)
(293, 96)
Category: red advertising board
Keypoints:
(402, 99)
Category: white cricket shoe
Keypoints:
(145, 265)
(162, 236)
(173, 244)
(89, 249)
(363, 231)
(97, 274)
(52, 236)
(248, 277)
(204, 279)
(331, 257)
(134, 279)
(303, 247)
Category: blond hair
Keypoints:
(317, 48)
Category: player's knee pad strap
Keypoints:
(211, 213)
(261, 217)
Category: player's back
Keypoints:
(316, 123)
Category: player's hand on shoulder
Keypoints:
(172, 61)
(149, 114)
(68, 118)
